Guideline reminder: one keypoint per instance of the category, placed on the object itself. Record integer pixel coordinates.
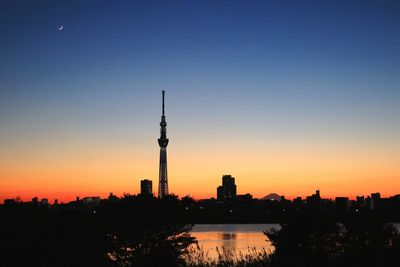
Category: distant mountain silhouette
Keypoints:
(272, 196)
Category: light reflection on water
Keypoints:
(238, 238)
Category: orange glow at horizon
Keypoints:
(63, 172)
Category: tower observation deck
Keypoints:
(163, 142)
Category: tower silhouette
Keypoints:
(163, 142)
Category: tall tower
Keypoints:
(163, 142)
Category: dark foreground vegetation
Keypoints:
(145, 231)
(317, 239)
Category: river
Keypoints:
(237, 238)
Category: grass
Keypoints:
(197, 257)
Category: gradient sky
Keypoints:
(286, 96)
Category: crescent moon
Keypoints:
(61, 27)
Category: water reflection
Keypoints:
(238, 238)
(228, 236)
(229, 240)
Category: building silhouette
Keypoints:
(146, 187)
(163, 142)
(360, 201)
(91, 201)
(375, 199)
(227, 191)
(342, 203)
(314, 200)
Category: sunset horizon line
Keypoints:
(70, 198)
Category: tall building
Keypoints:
(227, 190)
(146, 187)
(163, 142)
(375, 199)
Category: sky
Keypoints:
(286, 96)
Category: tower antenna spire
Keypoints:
(163, 93)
